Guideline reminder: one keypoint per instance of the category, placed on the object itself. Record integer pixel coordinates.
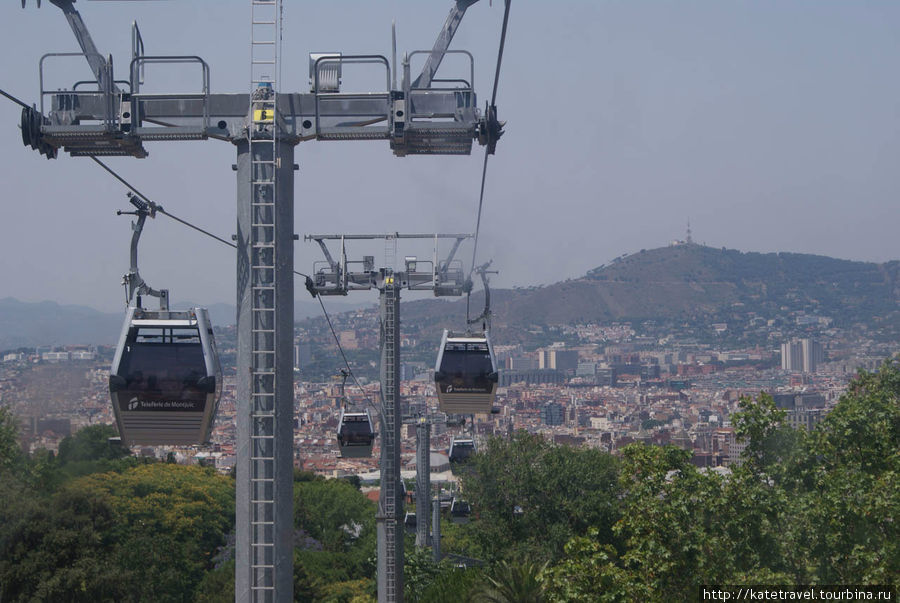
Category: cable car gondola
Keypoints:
(409, 522)
(460, 511)
(461, 449)
(355, 434)
(465, 374)
(165, 380)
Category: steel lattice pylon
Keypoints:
(390, 504)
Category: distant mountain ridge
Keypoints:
(690, 280)
(687, 281)
(31, 324)
(28, 324)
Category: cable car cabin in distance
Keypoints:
(461, 449)
(166, 379)
(409, 522)
(465, 374)
(460, 510)
(355, 434)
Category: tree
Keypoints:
(590, 571)
(333, 512)
(91, 443)
(452, 584)
(530, 496)
(679, 527)
(169, 521)
(10, 450)
(512, 583)
(58, 548)
(341, 523)
(848, 486)
(217, 585)
(802, 509)
(772, 445)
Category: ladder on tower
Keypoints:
(261, 137)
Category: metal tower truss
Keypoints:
(423, 479)
(340, 277)
(389, 520)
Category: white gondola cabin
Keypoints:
(166, 379)
(355, 434)
(465, 374)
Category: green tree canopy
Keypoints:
(147, 533)
(530, 496)
(817, 508)
(10, 450)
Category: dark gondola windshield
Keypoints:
(460, 508)
(164, 376)
(466, 368)
(355, 431)
(461, 451)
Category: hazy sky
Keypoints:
(771, 125)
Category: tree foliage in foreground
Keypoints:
(145, 534)
(803, 508)
(531, 496)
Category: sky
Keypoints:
(769, 125)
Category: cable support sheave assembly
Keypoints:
(492, 131)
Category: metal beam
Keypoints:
(94, 58)
(423, 480)
(392, 235)
(442, 44)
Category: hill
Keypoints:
(30, 324)
(25, 324)
(692, 281)
(681, 282)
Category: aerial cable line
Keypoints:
(160, 209)
(344, 356)
(156, 207)
(13, 98)
(492, 135)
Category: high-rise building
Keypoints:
(813, 354)
(302, 353)
(522, 363)
(559, 359)
(803, 355)
(607, 376)
(552, 413)
(791, 356)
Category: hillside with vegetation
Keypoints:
(550, 522)
(690, 282)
